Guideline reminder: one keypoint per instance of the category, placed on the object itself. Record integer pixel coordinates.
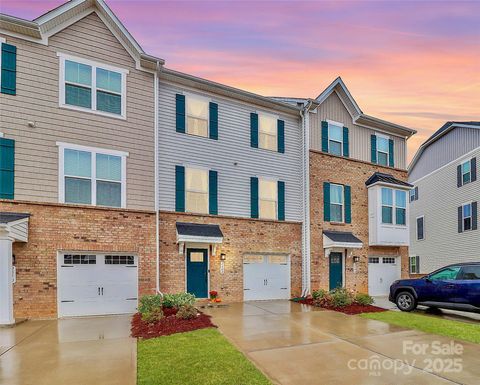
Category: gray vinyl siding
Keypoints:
(333, 109)
(439, 199)
(457, 142)
(37, 100)
(230, 155)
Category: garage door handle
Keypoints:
(98, 291)
(102, 290)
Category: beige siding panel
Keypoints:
(333, 109)
(36, 176)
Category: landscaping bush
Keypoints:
(341, 297)
(363, 299)
(149, 304)
(187, 312)
(152, 316)
(178, 300)
(323, 301)
(317, 294)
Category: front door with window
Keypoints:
(336, 270)
(197, 272)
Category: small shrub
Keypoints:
(149, 304)
(317, 294)
(363, 299)
(341, 297)
(178, 300)
(324, 301)
(186, 312)
(152, 316)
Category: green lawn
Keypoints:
(199, 357)
(455, 329)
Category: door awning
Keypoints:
(200, 233)
(340, 239)
(15, 225)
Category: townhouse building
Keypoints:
(121, 177)
(444, 200)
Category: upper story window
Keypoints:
(382, 150)
(420, 228)
(197, 116)
(394, 206)
(466, 172)
(267, 132)
(336, 203)
(93, 87)
(92, 176)
(196, 190)
(413, 194)
(268, 199)
(335, 138)
(467, 216)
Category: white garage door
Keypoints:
(95, 284)
(382, 271)
(266, 277)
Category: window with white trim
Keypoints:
(382, 150)
(197, 115)
(93, 87)
(335, 139)
(394, 206)
(420, 228)
(267, 199)
(466, 168)
(414, 264)
(196, 190)
(467, 216)
(336, 203)
(267, 132)
(92, 176)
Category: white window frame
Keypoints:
(416, 227)
(93, 110)
(268, 200)
(343, 203)
(336, 124)
(198, 97)
(2, 40)
(469, 161)
(411, 197)
(398, 207)
(383, 152)
(93, 152)
(197, 191)
(471, 216)
(394, 207)
(414, 264)
(260, 132)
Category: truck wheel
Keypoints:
(406, 301)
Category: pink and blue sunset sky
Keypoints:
(413, 63)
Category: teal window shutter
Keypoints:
(391, 157)
(348, 204)
(346, 147)
(325, 136)
(9, 69)
(373, 148)
(281, 136)
(180, 189)
(326, 201)
(213, 120)
(7, 168)
(254, 130)
(254, 197)
(180, 112)
(281, 200)
(213, 192)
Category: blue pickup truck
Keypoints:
(455, 287)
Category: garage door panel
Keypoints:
(382, 272)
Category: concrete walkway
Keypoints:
(298, 344)
(80, 351)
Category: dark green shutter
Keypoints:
(254, 130)
(346, 151)
(180, 112)
(460, 219)
(180, 189)
(9, 69)
(348, 204)
(473, 169)
(391, 157)
(459, 176)
(254, 197)
(474, 215)
(281, 200)
(7, 168)
(326, 201)
(281, 136)
(213, 192)
(324, 136)
(213, 121)
(373, 148)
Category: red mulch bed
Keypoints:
(350, 310)
(170, 324)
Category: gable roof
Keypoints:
(444, 130)
(59, 18)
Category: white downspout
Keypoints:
(157, 214)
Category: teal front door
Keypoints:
(197, 272)
(336, 270)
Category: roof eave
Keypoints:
(388, 126)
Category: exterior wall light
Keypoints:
(223, 257)
(356, 259)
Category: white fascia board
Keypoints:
(391, 185)
(198, 239)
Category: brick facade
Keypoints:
(334, 169)
(241, 236)
(55, 227)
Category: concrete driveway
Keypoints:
(80, 351)
(298, 344)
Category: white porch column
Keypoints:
(6, 271)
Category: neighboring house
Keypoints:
(444, 200)
(119, 177)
